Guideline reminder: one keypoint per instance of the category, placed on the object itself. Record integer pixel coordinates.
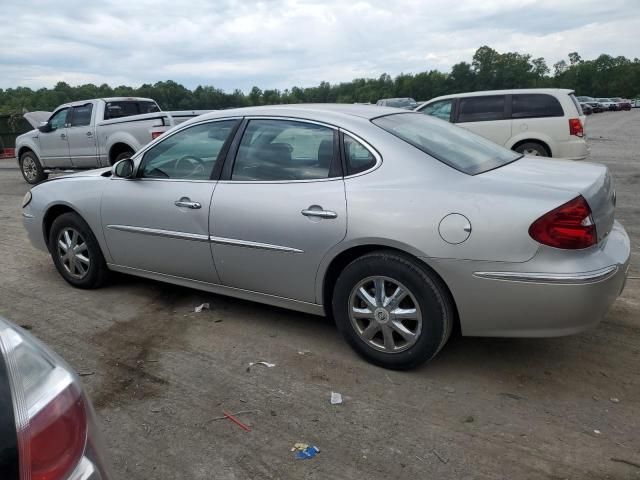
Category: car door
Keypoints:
(159, 220)
(485, 115)
(279, 207)
(81, 137)
(54, 146)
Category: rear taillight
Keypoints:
(575, 127)
(570, 226)
(51, 412)
(155, 134)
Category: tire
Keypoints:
(427, 296)
(532, 148)
(90, 270)
(122, 156)
(31, 168)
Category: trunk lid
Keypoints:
(591, 180)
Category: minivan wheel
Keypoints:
(31, 168)
(533, 149)
(391, 310)
(76, 252)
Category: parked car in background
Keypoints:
(609, 104)
(406, 103)
(397, 224)
(591, 102)
(623, 104)
(47, 425)
(635, 103)
(586, 108)
(91, 134)
(540, 121)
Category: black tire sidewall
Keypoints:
(433, 301)
(97, 267)
(41, 176)
(122, 156)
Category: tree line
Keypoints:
(603, 76)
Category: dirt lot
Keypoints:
(160, 374)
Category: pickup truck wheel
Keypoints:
(76, 252)
(31, 168)
(122, 156)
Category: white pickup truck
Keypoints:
(91, 134)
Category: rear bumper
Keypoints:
(575, 148)
(553, 294)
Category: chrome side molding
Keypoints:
(538, 277)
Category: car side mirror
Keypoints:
(123, 169)
(44, 127)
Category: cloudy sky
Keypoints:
(280, 43)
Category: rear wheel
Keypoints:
(392, 311)
(122, 156)
(31, 168)
(76, 252)
(532, 148)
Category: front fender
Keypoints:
(29, 141)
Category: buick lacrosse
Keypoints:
(400, 226)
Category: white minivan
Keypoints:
(538, 121)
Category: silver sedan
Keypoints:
(400, 226)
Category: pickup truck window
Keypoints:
(126, 108)
(189, 154)
(58, 119)
(81, 115)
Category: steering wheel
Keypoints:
(196, 164)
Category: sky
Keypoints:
(281, 43)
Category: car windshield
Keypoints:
(402, 103)
(453, 146)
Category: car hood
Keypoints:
(98, 172)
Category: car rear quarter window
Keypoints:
(358, 157)
(454, 146)
(276, 150)
(481, 109)
(81, 115)
(532, 105)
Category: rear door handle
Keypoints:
(185, 202)
(314, 212)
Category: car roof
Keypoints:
(128, 99)
(324, 112)
(550, 91)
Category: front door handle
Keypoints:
(185, 202)
(318, 212)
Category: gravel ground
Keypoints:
(160, 375)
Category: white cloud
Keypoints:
(281, 43)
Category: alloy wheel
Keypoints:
(73, 253)
(29, 168)
(385, 314)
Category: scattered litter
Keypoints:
(266, 364)
(597, 432)
(217, 320)
(596, 398)
(513, 396)
(26, 326)
(200, 308)
(234, 414)
(615, 400)
(231, 417)
(336, 398)
(469, 419)
(86, 374)
(440, 457)
(449, 389)
(304, 352)
(304, 451)
(155, 409)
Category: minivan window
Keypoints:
(453, 146)
(531, 105)
(440, 109)
(81, 115)
(481, 108)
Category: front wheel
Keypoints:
(76, 252)
(31, 168)
(392, 311)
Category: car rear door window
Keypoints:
(481, 109)
(441, 109)
(189, 154)
(275, 150)
(81, 115)
(531, 105)
(358, 157)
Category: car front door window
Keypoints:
(58, 119)
(190, 154)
